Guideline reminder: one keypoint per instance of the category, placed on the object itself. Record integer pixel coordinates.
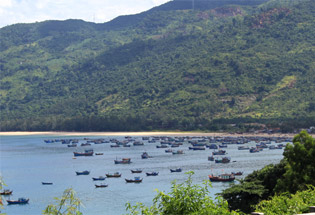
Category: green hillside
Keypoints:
(237, 62)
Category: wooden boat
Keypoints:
(210, 158)
(223, 160)
(138, 143)
(196, 148)
(161, 146)
(176, 170)
(100, 178)
(72, 145)
(213, 146)
(19, 201)
(168, 150)
(99, 153)
(243, 148)
(136, 171)
(237, 173)
(6, 192)
(178, 152)
(114, 146)
(83, 172)
(255, 149)
(85, 144)
(152, 173)
(145, 155)
(85, 153)
(223, 146)
(135, 180)
(47, 183)
(222, 178)
(115, 175)
(220, 152)
(123, 161)
(101, 185)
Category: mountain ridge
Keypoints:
(173, 69)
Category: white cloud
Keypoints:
(5, 3)
(26, 11)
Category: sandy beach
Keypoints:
(53, 133)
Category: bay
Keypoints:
(26, 161)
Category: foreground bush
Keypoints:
(288, 203)
(184, 198)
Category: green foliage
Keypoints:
(170, 67)
(68, 204)
(1, 199)
(288, 203)
(300, 170)
(184, 198)
(256, 187)
(294, 173)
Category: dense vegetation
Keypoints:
(281, 181)
(168, 68)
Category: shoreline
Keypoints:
(150, 133)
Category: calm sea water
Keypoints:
(26, 161)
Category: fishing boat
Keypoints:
(210, 158)
(161, 146)
(123, 161)
(196, 148)
(85, 144)
(101, 185)
(176, 170)
(213, 146)
(83, 172)
(137, 143)
(168, 150)
(223, 146)
(114, 146)
(145, 155)
(178, 152)
(152, 173)
(220, 152)
(237, 173)
(100, 178)
(243, 148)
(115, 175)
(136, 171)
(135, 180)
(99, 153)
(223, 160)
(222, 178)
(19, 201)
(47, 183)
(89, 152)
(6, 192)
(72, 145)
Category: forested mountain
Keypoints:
(184, 65)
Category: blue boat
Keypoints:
(176, 170)
(19, 201)
(152, 173)
(213, 146)
(100, 178)
(145, 155)
(83, 172)
(47, 183)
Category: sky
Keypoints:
(99, 11)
